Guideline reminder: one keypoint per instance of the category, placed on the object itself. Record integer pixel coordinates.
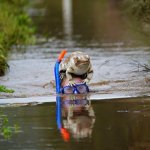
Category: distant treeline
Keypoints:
(15, 28)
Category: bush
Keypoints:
(139, 8)
(3, 63)
(15, 28)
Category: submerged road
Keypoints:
(118, 72)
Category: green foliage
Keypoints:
(15, 28)
(5, 129)
(139, 8)
(138, 14)
(4, 89)
(3, 63)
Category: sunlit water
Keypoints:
(115, 119)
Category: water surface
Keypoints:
(117, 117)
(116, 124)
(102, 29)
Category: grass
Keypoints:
(15, 28)
(6, 90)
(7, 130)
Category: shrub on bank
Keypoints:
(138, 14)
(15, 28)
(3, 63)
(139, 8)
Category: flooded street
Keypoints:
(118, 57)
(118, 112)
(116, 74)
(123, 123)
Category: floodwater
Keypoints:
(115, 124)
(118, 51)
(116, 116)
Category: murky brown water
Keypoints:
(98, 28)
(118, 124)
(118, 55)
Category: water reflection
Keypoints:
(67, 18)
(7, 130)
(123, 123)
(75, 117)
(89, 24)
